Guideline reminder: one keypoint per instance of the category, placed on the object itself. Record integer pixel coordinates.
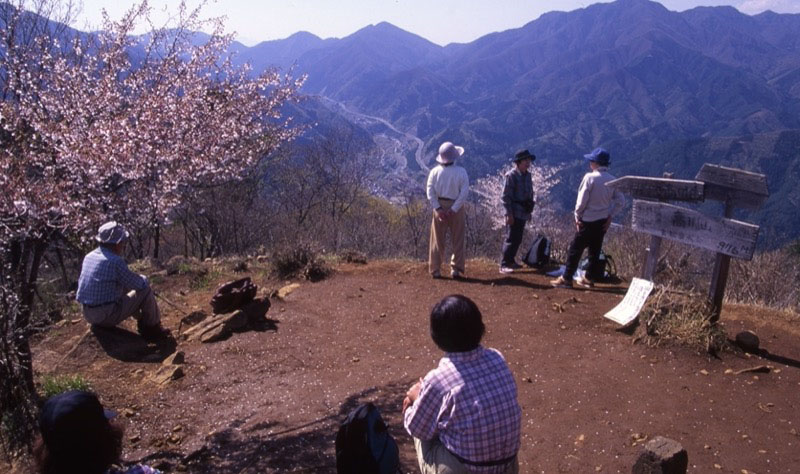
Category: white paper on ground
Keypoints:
(628, 309)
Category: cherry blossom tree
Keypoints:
(115, 126)
(489, 190)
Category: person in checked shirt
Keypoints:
(464, 415)
(110, 292)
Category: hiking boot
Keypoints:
(584, 282)
(514, 266)
(436, 275)
(154, 333)
(505, 269)
(457, 275)
(561, 282)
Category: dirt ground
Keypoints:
(271, 401)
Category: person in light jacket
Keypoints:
(447, 191)
(595, 207)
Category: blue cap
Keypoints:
(599, 156)
(65, 417)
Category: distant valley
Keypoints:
(664, 91)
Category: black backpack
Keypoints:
(606, 270)
(539, 253)
(364, 445)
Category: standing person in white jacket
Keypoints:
(595, 207)
(447, 191)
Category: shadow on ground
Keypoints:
(128, 346)
(276, 447)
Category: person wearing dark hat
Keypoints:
(447, 191)
(518, 202)
(77, 436)
(110, 292)
(595, 207)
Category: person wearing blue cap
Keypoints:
(78, 436)
(595, 207)
(110, 292)
(518, 202)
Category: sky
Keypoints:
(439, 21)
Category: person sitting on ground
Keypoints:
(464, 415)
(110, 292)
(595, 207)
(518, 203)
(78, 437)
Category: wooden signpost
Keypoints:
(732, 186)
(659, 189)
(728, 237)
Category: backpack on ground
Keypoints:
(539, 253)
(364, 445)
(605, 270)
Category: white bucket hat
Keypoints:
(111, 233)
(448, 153)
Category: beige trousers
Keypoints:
(434, 458)
(456, 226)
(140, 304)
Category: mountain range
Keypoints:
(662, 90)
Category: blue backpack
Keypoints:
(364, 445)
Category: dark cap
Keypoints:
(66, 417)
(523, 155)
(599, 156)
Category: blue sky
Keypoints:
(440, 21)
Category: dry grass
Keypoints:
(770, 280)
(672, 316)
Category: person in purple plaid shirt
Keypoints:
(464, 415)
(110, 292)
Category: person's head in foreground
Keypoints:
(76, 435)
(456, 324)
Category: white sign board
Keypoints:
(628, 309)
(727, 236)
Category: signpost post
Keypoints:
(734, 187)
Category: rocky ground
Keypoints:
(269, 398)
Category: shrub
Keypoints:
(299, 261)
(205, 279)
(681, 318)
(54, 384)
